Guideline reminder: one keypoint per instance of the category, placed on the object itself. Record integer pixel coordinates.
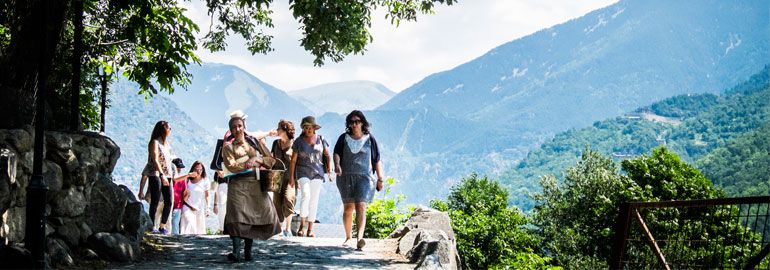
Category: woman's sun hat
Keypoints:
(309, 121)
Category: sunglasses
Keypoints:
(355, 122)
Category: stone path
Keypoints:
(209, 251)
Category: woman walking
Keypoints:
(307, 166)
(287, 196)
(179, 188)
(161, 172)
(195, 201)
(357, 157)
(250, 212)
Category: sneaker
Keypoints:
(155, 232)
(163, 231)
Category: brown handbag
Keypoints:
(270, 179)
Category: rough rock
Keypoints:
(84, 175)
(14, 257)
(112, 246)
(59, 253)
(114, 154)
(14, 221)
(70, 233)
(106, 204)
(430, 262)
(49, 229)
(21, 140)
(56, 221)
(68, 203)
(66, 160)
(81, 197)
(88, 254)
(85, 232)
(52, 174)
(430, 243)
(428, 235)
(135, 220)
(58, 141)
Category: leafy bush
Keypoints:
(385, 214)
(576, 218)
(490, 233)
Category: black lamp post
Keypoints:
(34, 235)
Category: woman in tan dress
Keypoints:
(250, 212)
(287, 196)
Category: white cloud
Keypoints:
(399, 56)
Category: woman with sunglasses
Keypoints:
(357, 159)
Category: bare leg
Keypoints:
(361, 221)
(347, 221)
(300, 231)
(310, 229)
(288, 223)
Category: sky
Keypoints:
(399, 56)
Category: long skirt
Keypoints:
(250, 212)
(192, 222)
(286, 198)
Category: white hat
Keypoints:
(238, 114)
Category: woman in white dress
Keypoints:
(196, 201)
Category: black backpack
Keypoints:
(216, 161)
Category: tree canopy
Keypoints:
(152, 42)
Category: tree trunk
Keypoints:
(77, 62)
(103, 79)
(20, 62)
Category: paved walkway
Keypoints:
(209, 251)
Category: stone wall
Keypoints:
(427, 239)
(87, 213)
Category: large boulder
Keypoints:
(84, 175)
(85, 232)
(428, 235)
(422, 219)
(8, 184)
(14, 257)
(66, 159)
(52, 174)
(58, 141)
(135, 220)
(70, 202)
(14, 221)
(69, 232)
(59, 253)
(98, 149)
(112, 246)
(106, 204)
(432, 248)
(20, 139)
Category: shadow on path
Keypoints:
(206, 252)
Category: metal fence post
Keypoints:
(622, 223)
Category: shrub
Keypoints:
(489, 233)
(385, 214)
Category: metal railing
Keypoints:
(730, 233)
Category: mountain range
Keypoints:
(343, 97)
(699, 128)
(485, 115)
(217, 89)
